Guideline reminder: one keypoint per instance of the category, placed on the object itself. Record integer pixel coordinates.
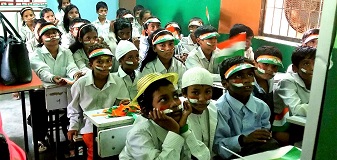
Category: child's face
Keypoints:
(152, 27)
(137, 14)
(51, 37)
(199, 97)
(102, 65)
(130, 61)
(65, 3)
(74, 30)
(90, 39)
(166, 97)
(313, 43)
(28, 16)
(248, 42)
(49, 17)
(73, 13)
(102, 12)
(305, 69)
(124, 34)
(146, 16)
(208, 44)
(240, 83)
(269, 69)
(192, 28)
(164, 50)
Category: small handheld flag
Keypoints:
(234, 46)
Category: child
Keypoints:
(69, 38)
(239, 28)
(190, 42)
(123, 29)
(160, 57)
(161, 131)
(102, 24)
(128, 58)
(70, 13)
(151, 25)
(310, 38)
(293, 91)
(52, 63)
(27, 17)
(267, 60)
(62, 4)
(48, 15)
(32, 44)
(197, 85)
(204, 55)
(87, 36)
(144, 15)
(243, 120)
(98, 89)
(174, 28)
(136, 25)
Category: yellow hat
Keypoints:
(145, 82)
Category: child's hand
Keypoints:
(59, 81)
(71, 134)
(77, 75)
(124, 102)
(136, 41)
(259, 135)
(183, 57)
(186, 112)
(164, 121)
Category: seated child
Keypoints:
(128, 58)
(267, 60)
(159, 57)
(69, 38)
(197, 85)
(150, 25)
(31, 45)
(293, 92)
(243, 120)
(161, 131)
(204, 55)
(102, 24)
(310, 37)
(136, 25)
(190, 42)
(27, 29)
(98, 89)
(70, 13)
(48, 15)
(239, 28)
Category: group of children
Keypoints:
(133, 60)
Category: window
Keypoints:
(288, 19)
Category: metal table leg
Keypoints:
(34, 130)
(24, 121)
(95, 150)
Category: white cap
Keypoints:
(197, 75)
(123, 48)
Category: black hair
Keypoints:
(66, 20)
(145, 100)
(41, 20)
(309, 32)
(78, 20)
(137, 8)
(40, 36)
(124, 12)
(23, 10)
(302, 52)
(143, 12)
(239, 28)
(196, 19)
(145, 25)
(97, 46)
(228, 63)
(60, 4)
(118, 12)
(84, 29)
(120, 24)
(268, 50)
(101, 4)
(44, 11)
(204, 29)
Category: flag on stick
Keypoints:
(207, 15)
(234, 46)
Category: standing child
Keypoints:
(267, 60)
(161, 131)
(102, 24)
(197, 85)
(98, 89)
(160, 57)
(150, 25)
(204, 55)
(239, 28)
(27, 29)
(128, 58)
(243, 120)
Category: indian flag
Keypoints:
(235, 46)
(280, 123)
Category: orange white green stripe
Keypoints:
(269, 59)
(99, 52)
(46, 28)
(209, 35)
(195, 23)
(232, 47)
(152, 20)
(311, 37)
(280, 122)
(237, 68)
(164, 38)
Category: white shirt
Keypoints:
(143, 47)
(87, 97)
(31, 45)
(81, 60)
(249, 53)
(291, 91)
(156, 66)
(102, 29)
(46, 67)
(147, 141)
(131, 86)
(59, 16)
(187, 44)
(67, 40)
(26, 34)
(196, 58)
(136, 29)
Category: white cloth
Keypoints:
(249, 53)
(291, 92)
(143, 47)
(87, 97)
(131, 86)
(112, 42)
(59, 16)
(81, 60)
(187, 44)
(156, 66)
(46, 67)
(67, 39)
(102, 29)
(204, 125)
(31, 46)
(26, 34)
(124, 47)
(136, 29)
(196, 58)
(147, 140)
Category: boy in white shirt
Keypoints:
(150, 25)
(190, 42)
(102, 24)
(98, 89)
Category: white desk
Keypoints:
(103, 122)
(273, 154)
(299, 120)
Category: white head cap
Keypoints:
(197, 75)
(123, 48)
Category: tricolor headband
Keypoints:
(269, 60)
(152, 20)
(195, 23)
(128, 16)
(164, 38)
(25, 9)
(46, 28)
(77, 25)
(79, 31)
(208, 35)
(173, 25)
(99, 52)
(311, 37)
(237, 68)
